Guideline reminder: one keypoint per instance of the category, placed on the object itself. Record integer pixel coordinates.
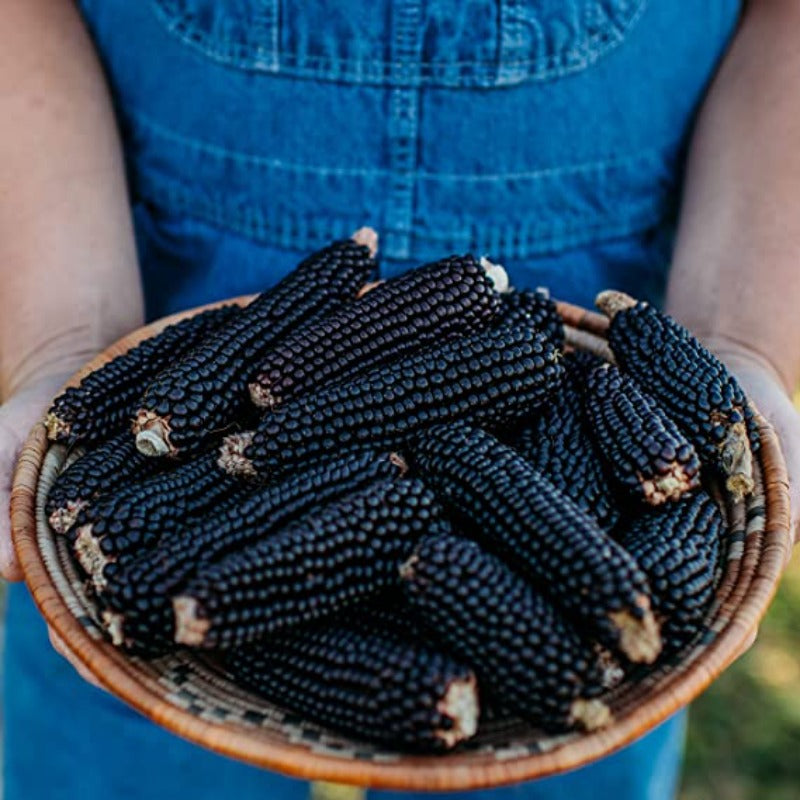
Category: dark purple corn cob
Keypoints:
(366, 682)
(201, 396)
(401, 316)
(690, 383)
(522, 651)
(536, 308)
(137, 517)
(499, 498)
(557, 444)
(312, 568)
(645, 452)
(679, 549)
(138, 595)
(105, 401)
(490, 378)
(97, 472)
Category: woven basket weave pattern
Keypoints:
(190, 695)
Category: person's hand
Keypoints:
(763, 385)
(17, 416)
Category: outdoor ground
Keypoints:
(744, 732)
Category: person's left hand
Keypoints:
(763, 385)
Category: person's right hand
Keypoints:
(17, 416)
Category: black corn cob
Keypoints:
(366, 682)
(432, 303)
(533, 307)
(202, 394)
(96, 472)
(312, 568)
(138, 594)
(491, 378)
(678, 547)
(691, 384)
(524, 654)
(137, 517)
(499, 498)
(105, 401)
(558, 445)
(646, 453)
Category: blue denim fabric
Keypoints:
(546, 133)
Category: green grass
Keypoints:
(744, 732)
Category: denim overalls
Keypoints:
(548, 134)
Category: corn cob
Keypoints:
(523, 652)
(401, 316)
(134, 519)
(679, 549)
(691, 384)
(97, 472)
(312, 568)
(498, 497)
(556, 444)
(491, 378)
(536, 308)
(105, 401)
(645, 452)
(138, 593)
(366, 682)
(201, 395)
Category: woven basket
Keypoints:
(189, 695)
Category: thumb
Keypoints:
(17, 417)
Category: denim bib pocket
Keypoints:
(443, 43)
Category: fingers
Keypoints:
(9, 449)
(61, 648)
(17, 417)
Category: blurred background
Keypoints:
(744, 732)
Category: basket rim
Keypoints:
(112, 669)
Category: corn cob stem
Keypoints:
(205, 393)
(491, 378)
(405, 314)
(312, 568)
(499, 498)
(140, 590)
(367, 681)
(708, 403)
(543, 671)
(105, 400)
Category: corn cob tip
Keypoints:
(611, 302)
(611, 672)
(399, 462)
(367, 237)
(737, 461)
(190, 627)
(62, 519)
(639, 636)
(459, 704)
(408, 569)
(152, 434)
(58, 429)
(367, 287)
(590, 714)
(497, 275)
(114, 626)
(232, 458)
(260, 394)
(669, 487)
(91, 557)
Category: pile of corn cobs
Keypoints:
(391, 505)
